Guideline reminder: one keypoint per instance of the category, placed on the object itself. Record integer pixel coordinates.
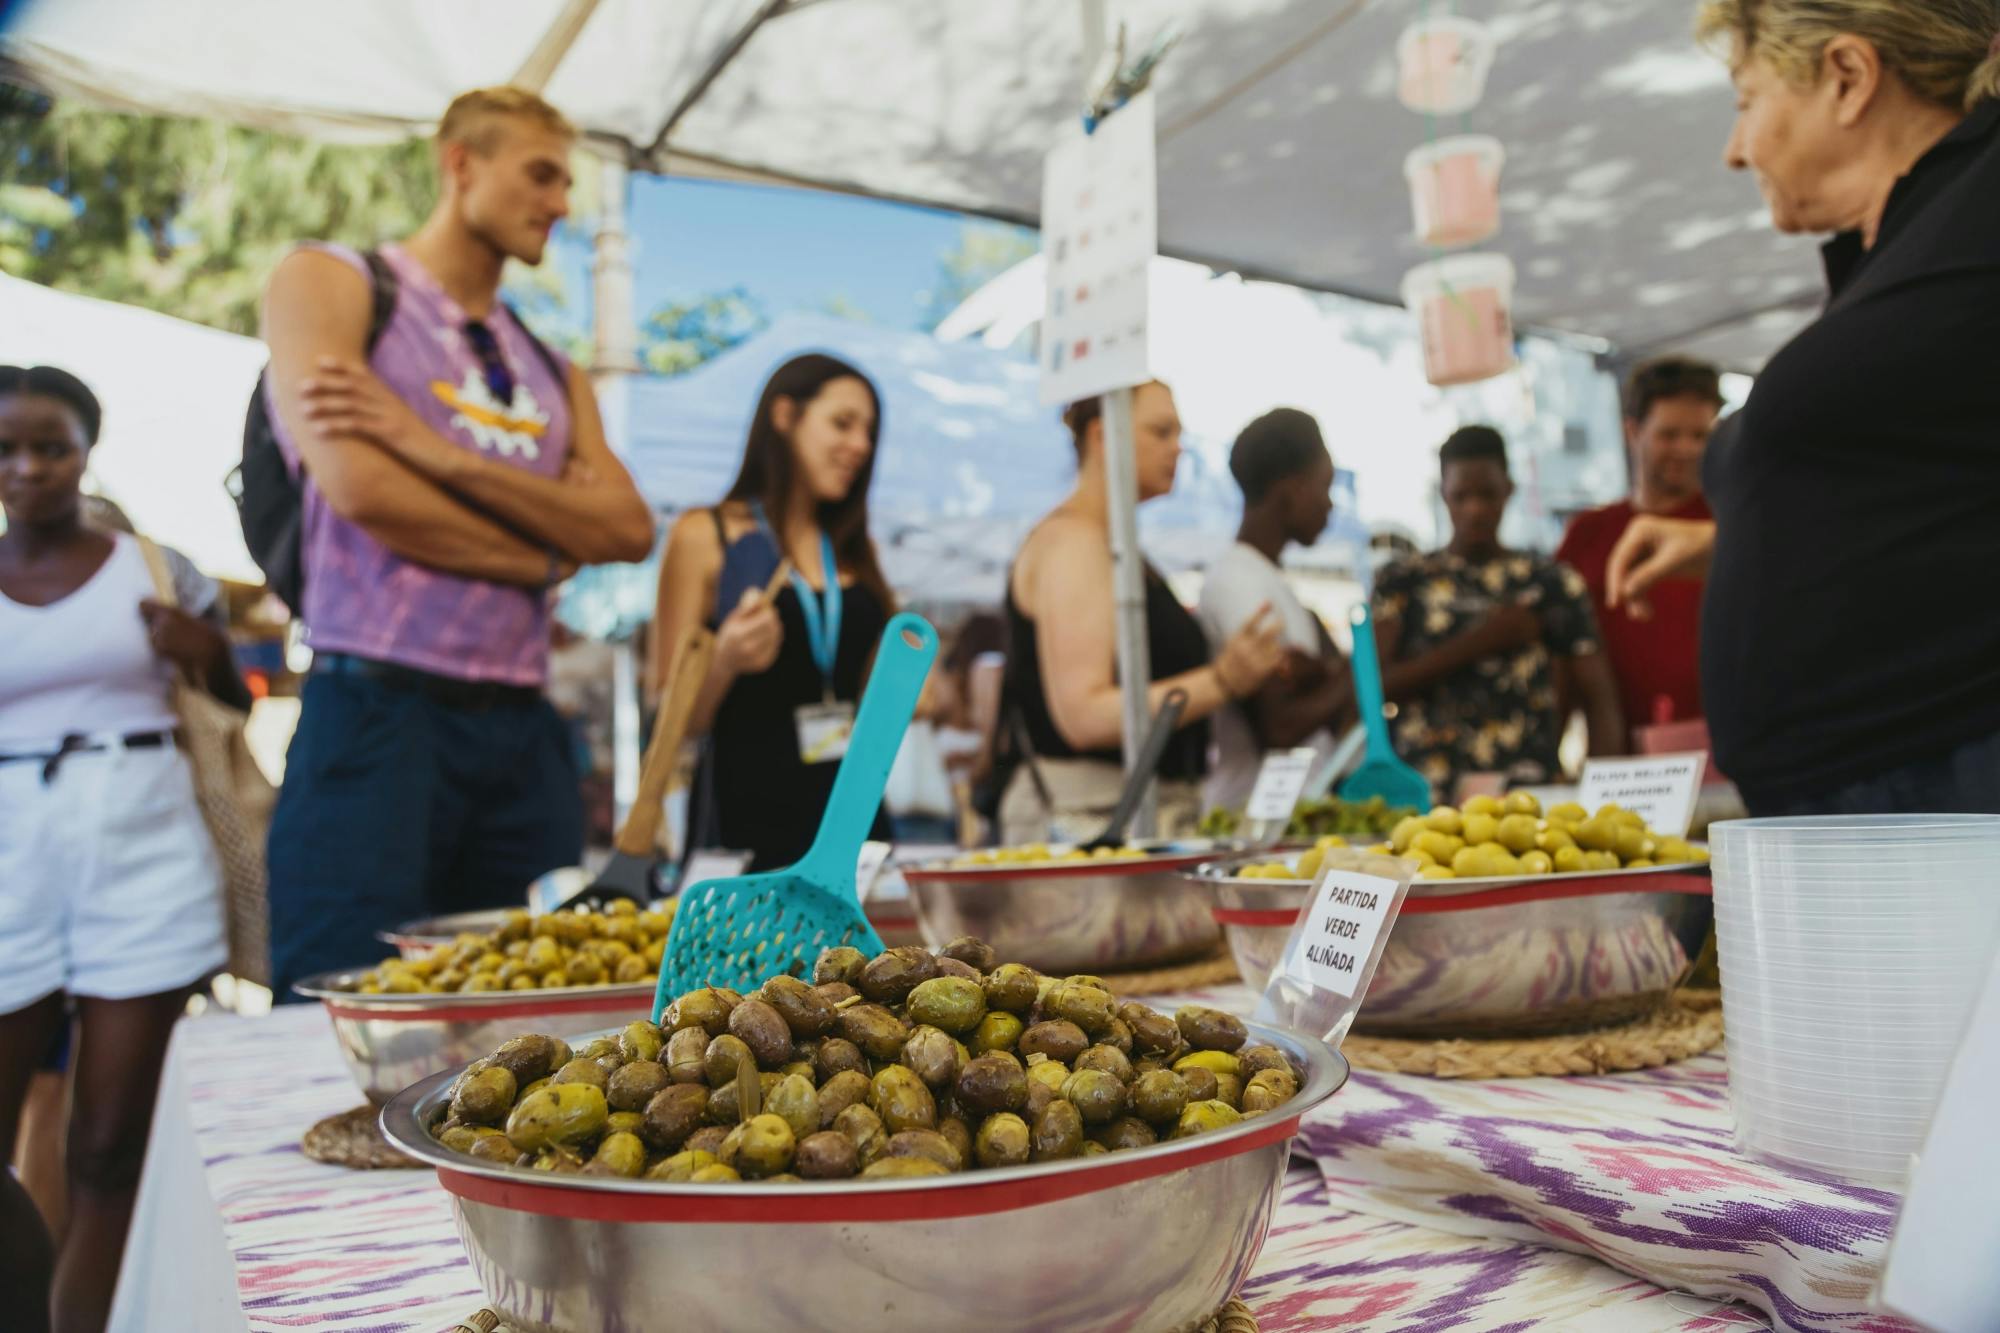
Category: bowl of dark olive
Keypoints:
(911, 1142)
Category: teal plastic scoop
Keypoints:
(1381, 772)
(740, 932)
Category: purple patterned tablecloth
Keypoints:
(1637, 1170)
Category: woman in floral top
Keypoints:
(1471, 638)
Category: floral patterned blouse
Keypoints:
(1499, 714)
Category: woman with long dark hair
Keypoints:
(787, 672)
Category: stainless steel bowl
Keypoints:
(1505, 968)
(1087, 916)
(391, 1041)
(413, 939)
(1157, 1238)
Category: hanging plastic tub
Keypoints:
(1463, 306)
(1455, 189)
(1444, 62)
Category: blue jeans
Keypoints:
(397, 806)
(1965, 781)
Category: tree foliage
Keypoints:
(189, 216)
(985, 250)
(681, 335)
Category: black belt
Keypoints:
(78, 743)
(472, 694)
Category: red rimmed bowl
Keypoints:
(1552, 953)
(1074, 916)
(391, 1041)
(1156, 1238)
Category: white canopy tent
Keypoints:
(174, 395)
(1281, 142)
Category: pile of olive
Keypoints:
(621, 945)
(1039, 854)
(1496, 837)
(904, 1064)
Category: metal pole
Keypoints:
(615, 359)
(1128, 577)
(1128, 591)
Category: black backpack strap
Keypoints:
(554, 363)
(382, 289)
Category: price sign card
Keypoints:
(1660, 788)
(1333, 950)
(1100, 231)
(1279, 783)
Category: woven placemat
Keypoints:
(1235, 1317)
(1689, 1024)
(1217, 969)
(354, 1139)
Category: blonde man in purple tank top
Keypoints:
(453, 475)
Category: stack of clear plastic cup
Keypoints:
(1852, 950)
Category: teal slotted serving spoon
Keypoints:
(740, 932)
(1381, 772)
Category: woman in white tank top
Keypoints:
(109, 889)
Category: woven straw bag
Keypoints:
(235, 797)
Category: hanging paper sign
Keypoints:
(1100, 231)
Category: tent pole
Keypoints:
(1128, 591)
(1128, 579)
(615, 359)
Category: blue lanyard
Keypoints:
(822, 612)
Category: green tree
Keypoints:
(681, 335)
(189, 216)
(985, 250)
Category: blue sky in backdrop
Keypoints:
(790, 249)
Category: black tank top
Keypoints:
(765, 799)
(1175, 643)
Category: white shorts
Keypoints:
(109, 884)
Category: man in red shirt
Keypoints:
(1671, 405)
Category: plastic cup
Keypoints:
(1455, 189)
(1442, 65)
(1463, 307)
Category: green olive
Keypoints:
(641, 1041)
(902, 1100)
(991, 1083)
(804, 1009)
(560, 1114)
(925, 1143)
(998, 1031)
(1159, 1097)
(1098, 1096)
(767, 1146)
(974, 953)
(681, 1166)
(879, 1033)
(932, 1056)
(840, 964)
(635, 1085)
(1013, 988)
(950, 1004)
(687, 1055)
(1201, 1117)
(847, 1088)
(1125, 1133)
(619, 1155)
(1058, 1132)
(901, 1167)
(484, 1098)
(1003, 1140)
(796, 1102)
(1087, 1006)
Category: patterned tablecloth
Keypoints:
(1436, 1206)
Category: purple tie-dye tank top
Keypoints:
(362, 599)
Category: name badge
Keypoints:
(824, 731)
